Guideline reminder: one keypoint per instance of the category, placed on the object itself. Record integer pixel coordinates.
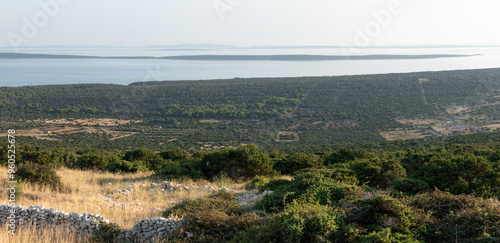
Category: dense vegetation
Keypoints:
(314, 112)
(346, 183)
(440, 194)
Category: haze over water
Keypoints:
(21, 72)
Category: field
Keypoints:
(89, 194)
(404, 134)
(88, 121)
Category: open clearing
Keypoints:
(418, 121)
(402, 134)
(48, 131)
(284, 136)
(88, 121)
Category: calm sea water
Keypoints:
(23, 72)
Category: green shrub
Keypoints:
(410, 186)
(459, 218)
(257, 182)
(463, 173)
(39, 174)
(440, 204)
(123, 166)
(93, 160)
(309, 185)
(243, 162)
(175, 155)
(186, 169)
(345, 155)
(216, 218)
(107, 233)
(386, 235)
(150, 158)
(300, 221)
(379, 216)
(377, 172)
(296, 162)
(36, 155)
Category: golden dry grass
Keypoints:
(87, 192)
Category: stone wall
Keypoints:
(148, 229)
(41, 218)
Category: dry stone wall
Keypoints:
(146, 230)
(41, 218)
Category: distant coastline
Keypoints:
(236, 57)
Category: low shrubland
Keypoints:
(443, 194)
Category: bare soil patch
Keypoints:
(402, 134)
(88, 121)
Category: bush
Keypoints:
(257, 182)
(377, 172)
(93, 160)
(107, 233)
(378, 218)
(311, 186)
(39, 174)
(345, 155)
(186, 169)
(175, 155)
(458, 218)
(150, 158)
(410, 186)
(463, 173)
(300, 221)
(37, 155)
(216, 218)
(243, 162)
(296, 162)
(123, 166)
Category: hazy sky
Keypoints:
(248, 22)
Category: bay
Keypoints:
(22, 72)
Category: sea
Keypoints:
(25, 72)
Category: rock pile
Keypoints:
(168, 186)
(39, 217)
(250, 198)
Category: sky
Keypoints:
(243, 23)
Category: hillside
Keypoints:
(274, 113)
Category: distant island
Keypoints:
(236, 57)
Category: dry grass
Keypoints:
(419, 121)
(88, 194)
(404, 134)
(89, 121)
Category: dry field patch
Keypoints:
(88, 121)
(282, 136)
(402, 134)
(418, 121)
